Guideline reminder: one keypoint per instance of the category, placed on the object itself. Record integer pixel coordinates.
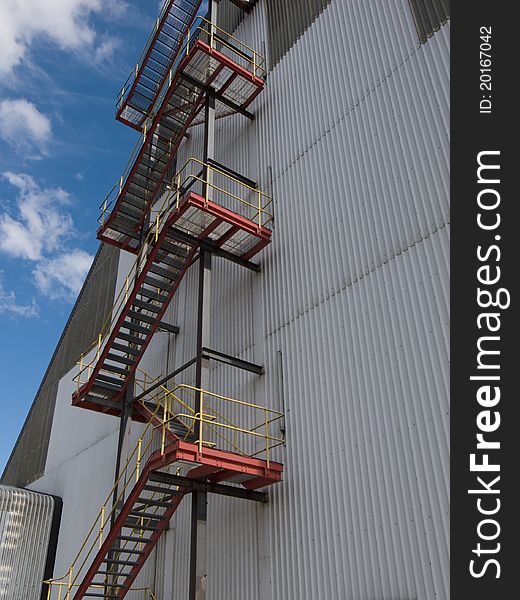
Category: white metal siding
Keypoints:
(25, 527)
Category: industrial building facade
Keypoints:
(317, 156)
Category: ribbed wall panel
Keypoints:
(354, 293)
(25, 528)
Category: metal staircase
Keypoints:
(209, 59)
(193, 441)
(140, 91)
(134, 534)
(151, 487)
(204, 204)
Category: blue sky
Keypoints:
(61, 150)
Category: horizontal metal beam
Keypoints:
(213, 488)
(232, 361)
(211, 92)
(228, 171)
(165, 379)
(205, 245)
(168, 328)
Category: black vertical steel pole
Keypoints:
(198, 575)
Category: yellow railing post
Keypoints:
(254, 63)
(80, 370)
(188, 42)
(201, 420)
(126, 290)
(102, 526)
(266, 437)
(120, 184)
(136, 69)
(98, 347)
(157, 227)
(163, 428)
(208, 179)
(138, 466)
(259, 208)
(69, 584)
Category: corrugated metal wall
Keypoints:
(351, 138)
(25, 528)
(352, 131)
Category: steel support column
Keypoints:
(198, 550)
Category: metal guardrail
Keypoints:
(213, 35)
(216, 38)
(219, 420)
(215, 185)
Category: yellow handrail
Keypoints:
(59, 585)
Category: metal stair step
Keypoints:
(169, 260)
(134, 525)
(130, 212)
(121, 227)
(114, 369)
(133, 538)
(103, 386)
(101, 595)
(174, 248)
(147, 306)
(157, 283)
(159, 489)
(148, 502)
(109, 585)
(130, 338)
(134, 327)
(146, 515)
(127, 550)
(135, 202)
(171, 275)
(120, 359)
(142, 317)
(116, 561)
(123, 348)
(153, 295)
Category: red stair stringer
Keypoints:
(116, 530)
(210, 462)
(83, 391)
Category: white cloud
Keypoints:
(63, 276)
(40, 232)
(64, 22)
(24, 127)
(10, 306)
(40, 225)
(106, 49)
